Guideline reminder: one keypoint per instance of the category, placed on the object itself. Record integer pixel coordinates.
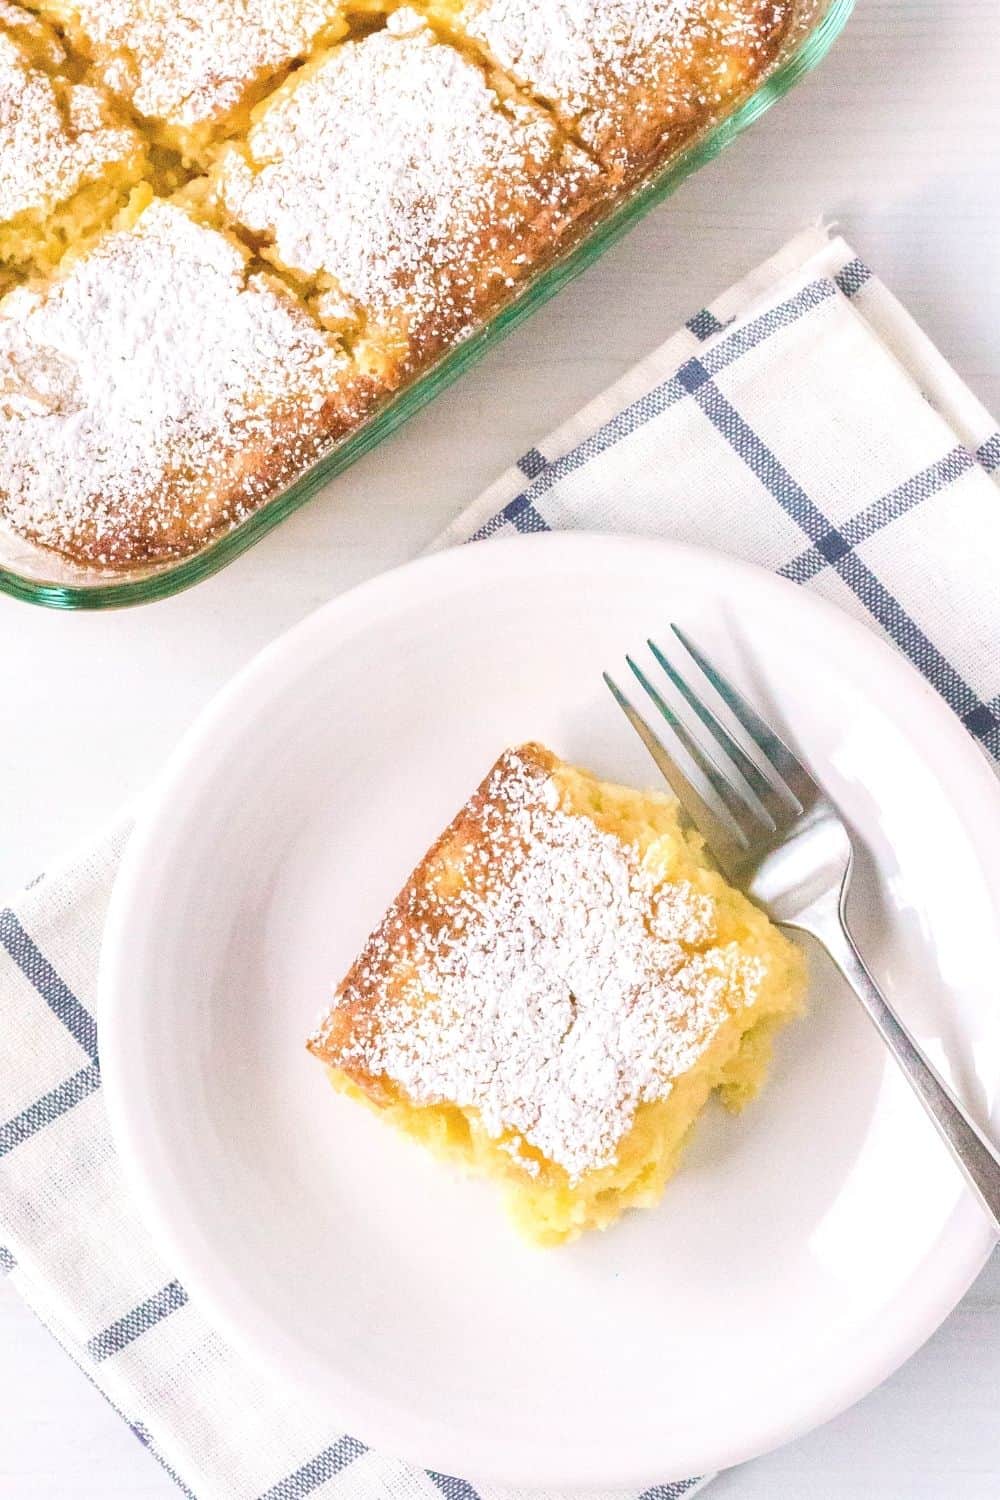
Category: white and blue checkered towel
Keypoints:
(804, 422)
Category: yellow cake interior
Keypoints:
(546, 1206)
(68, 157)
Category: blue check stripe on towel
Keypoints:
(829, 543)
(802, 421)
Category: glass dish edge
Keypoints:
(161, 584)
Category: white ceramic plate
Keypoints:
(803, 1251)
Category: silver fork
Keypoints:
(779, 837)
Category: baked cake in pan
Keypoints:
(377, 176)
(397, 187)
(67, 158)
(156, 390)
(557, 990)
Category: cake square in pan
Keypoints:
(406, 196)
(632, 78)
(67, 158)
(557, 990)
(193, 68)
(156, 390)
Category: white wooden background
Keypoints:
(897, 138)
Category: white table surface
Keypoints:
(898, 139)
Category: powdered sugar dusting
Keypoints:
(54, 136)
(558, 988)
(191, 63)
(155, 391)
(21, 22)
(393, 171)
(607, 64)
(145, 390)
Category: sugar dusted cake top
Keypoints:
(55, 136)
(626, 70)
(33, 32)
(537, 970)
(191, 64)
(398, 168)
(151, 388)
(391, 174)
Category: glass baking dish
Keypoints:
(41, 577)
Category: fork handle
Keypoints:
(977, 1156)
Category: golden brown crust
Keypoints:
(633, 79)
(233, 391)
(454, 856)
(559, 957)
(177, 519)
(661, 121)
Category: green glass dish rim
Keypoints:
(117, 593)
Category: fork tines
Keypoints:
(744, 803)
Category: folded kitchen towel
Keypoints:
(804, 422)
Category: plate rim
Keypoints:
(389, 587)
